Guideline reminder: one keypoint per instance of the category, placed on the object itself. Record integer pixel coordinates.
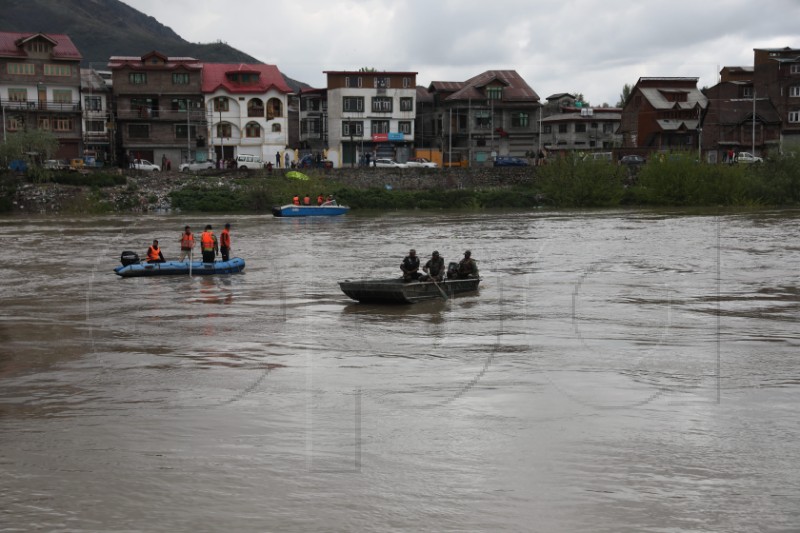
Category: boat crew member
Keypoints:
(410, 266)
(225, 242)
(306, 200)
(320, 199)
(296, 199)
(435, 267)
(187, 244)
(154, 254)
(467, 267)
(208, 245)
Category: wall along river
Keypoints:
(617, 371)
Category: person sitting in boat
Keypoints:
(330, 201)
(320, 199)
(154, 254)
(208, 245)
(410, 266)
(296, 199)
(467, 267)
(306, 199)
(434, 268)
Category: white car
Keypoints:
(249, 162)
(389, 163)
(197, 165)
(420, 162)
(747, 157)
(144, 164)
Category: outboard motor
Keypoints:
(129, 258)
(452, 270)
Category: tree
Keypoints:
(29, 144)
(367, 69)
(583, 102)
(624, 95)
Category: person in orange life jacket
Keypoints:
(208, 245)
(296, 199)
(320, 199)
(154, 254)
(187, 244)
(225, 242)
(306, 200)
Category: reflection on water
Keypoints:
(617, 371)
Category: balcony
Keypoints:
(148, 113)
(50, 106)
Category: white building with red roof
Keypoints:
(248, 112)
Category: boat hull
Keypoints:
(309, 210)
(176, 268)
(395, 291)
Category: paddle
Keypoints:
(441, 291)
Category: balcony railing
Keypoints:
(148, 113)
(41, 105)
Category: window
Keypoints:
(594, 125)
(353, 81)
(580, 128)
(381, 82)
(794, 91)
(16, 122)
(406, 104)
(95, 126)
(380, 126)
(352, 128)
(255, 108)
(224, 130)
(276, 128)
(747, 92)
(353, 103)
(404, 126)
(180, 78)
(62, 124)
(608, 128)
(93, 103)
(139, 131)
(381, 104)
(178, 104)
(145, 107)
(38, 47)
(494, 93)
(406, 83)
(562, 128)
(62, 96)
(547, 128)
(21, 69)
(519, 120)
(795, 68)
(794, 116)
(58, 70)
(181, 129)
(482, 119)
(221, 104)
(252, 130)
(44, 123)
(18, 95)
(137, 78)
(274, 109)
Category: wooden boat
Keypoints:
(396, 291)
(292, 210)
(176, 268)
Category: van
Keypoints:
(249, 162)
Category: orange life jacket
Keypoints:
(207, 241)
(153, 254)
(296, 200)
(307, 200)
(320, 199)
(187, 241)
(225, 238)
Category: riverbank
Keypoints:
(568, 183)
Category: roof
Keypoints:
(667, 124)
(91, 80)
(11, 45)
(215, 77)
(516, 89)
(424, 96)
(739, 110)
(372, 72)
(572, 117)
(446, 86)
(658, 97)
(140, 62)
(556, 96)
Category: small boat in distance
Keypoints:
(324, 210)
(396, 291)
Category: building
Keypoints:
(570, 125)
(370, 113)
(97, 120)
(247, 107)
(40, 87)
(776, 75)
(495, 113)
(313, 120)
(160, 111)
(663, 114)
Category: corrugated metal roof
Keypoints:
(10, 45)
(657, 98)
(91, 80)
(214, 77)
(516, 89)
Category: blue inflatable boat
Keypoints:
(175, 268)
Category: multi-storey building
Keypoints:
(370, 113)
(160, 111)
(571, 125)
(247, 107)
(663, 114)
(313, 120)
(40, 85)
(494, 113)
(776, 74)
(97, 125)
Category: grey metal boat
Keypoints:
(396, 291)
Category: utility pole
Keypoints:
(753, 139)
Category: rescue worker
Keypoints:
(208, 245)
(434, 268)
(467, 267)
(154, 254)
(410, 266)
(296, 199)
(306, 200)
(225, 242)
(320, 199)
(187, 244)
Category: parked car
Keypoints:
(249, 162)
(383, 162)
(599, 156)
(420, 162)
(56, 164)
(310, 161)
(508, 161)
(747, 158)
(144, 164)
(632, 160)
(197, 165)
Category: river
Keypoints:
(617, 371)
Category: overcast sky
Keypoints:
(592, 47)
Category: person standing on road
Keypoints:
(225, 242)
(277, 159)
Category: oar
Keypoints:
(191, 258)
(441, 291)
